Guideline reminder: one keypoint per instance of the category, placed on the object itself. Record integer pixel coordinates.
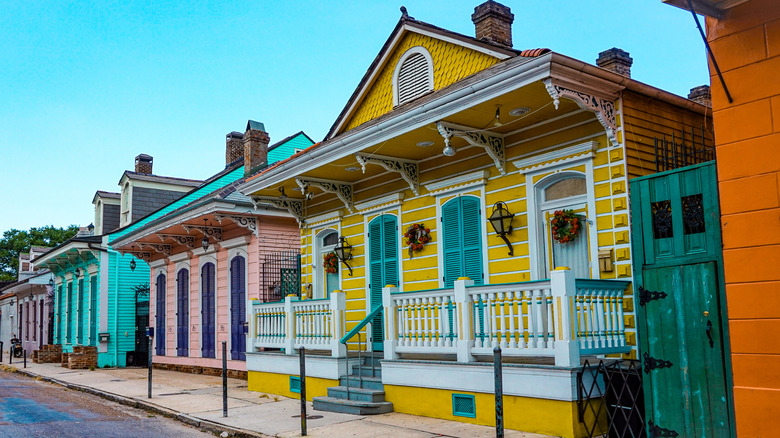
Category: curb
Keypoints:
(203, 425)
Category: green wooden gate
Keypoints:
(680, 303)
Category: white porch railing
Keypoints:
(560, 317)
(291, 324)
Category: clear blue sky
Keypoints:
(84, 88)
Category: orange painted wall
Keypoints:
(746, 44)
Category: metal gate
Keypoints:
(680, 302)
(613, 389)
(281, 275)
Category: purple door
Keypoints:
(207, 309)
(182, 312)
(159, 315)
(237, 308)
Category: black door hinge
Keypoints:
(652, 363)
(656, 431)
(646, 296)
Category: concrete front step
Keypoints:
(353, 407)
(366, 370)
(368, 382)
(356, 394)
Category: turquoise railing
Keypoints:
(362, 324)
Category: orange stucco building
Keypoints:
(745, 41)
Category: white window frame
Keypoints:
(412, 51)
(318, 279)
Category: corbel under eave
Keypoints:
(158, 247)
(343, 190)
(181, 239)
(248, 222)
(215, 232)
(603, 108)
(408, 169)
(492, 143)
(293, 206)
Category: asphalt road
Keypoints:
(33, 408)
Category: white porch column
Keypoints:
(391, 334)
(338, 305)
(465, 336)
(564, 289)
(289, 320)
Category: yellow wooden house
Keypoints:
(444, 132)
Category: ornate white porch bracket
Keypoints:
(491, 142)
(408, 169)
(215, 232)
(143, 255)
(181, 239)
(162, 248)
(603, 108)
(248, 222)
(293, 206)
(342, 189)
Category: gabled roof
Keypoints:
(160, 179)
(106, 195)
(408, 24)
(219, 187)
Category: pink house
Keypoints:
(210, 253)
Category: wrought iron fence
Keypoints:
(281, 275)
(610, 399)
(690, 148)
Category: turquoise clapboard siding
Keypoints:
(284, 150)
(121, 306)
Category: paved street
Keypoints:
(33, 408)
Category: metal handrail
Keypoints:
(362, 324)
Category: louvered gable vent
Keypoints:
(415, 78)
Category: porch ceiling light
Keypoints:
(501, 220)
(205, 242)
(449, 150)
(344, 252)
(77, 272)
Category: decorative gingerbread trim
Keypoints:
(492, 143)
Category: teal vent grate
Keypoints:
(295, 384)
(463, 405)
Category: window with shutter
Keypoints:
(237, 308)
(159, 315)
(413, 75)
(462, 240)
(207, 310)
(383, 258)
(182, 312)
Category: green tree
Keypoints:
(15, 242)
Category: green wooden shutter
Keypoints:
(462, 239)
(383, 258)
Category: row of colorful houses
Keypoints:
(469, 196)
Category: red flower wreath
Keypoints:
(331, 263)
(565, 226)
(416, 237)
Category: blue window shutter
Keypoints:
(462, 240)
(207, 310)
(237, 308)
(183, 320)
(159, 330)
(390, 250)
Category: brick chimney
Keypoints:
(143, 164)
(255, 147)
(493, 23)
(615, 60)
(234, 147)
(701, 94)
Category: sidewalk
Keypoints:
(197, 400)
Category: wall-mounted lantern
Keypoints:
(501, 220)
(344, 252)
(205, 242)
(132, 264)
(77, 272)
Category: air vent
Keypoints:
(295, 384)
(415, 78)
(463, 405)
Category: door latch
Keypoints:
(709, 333)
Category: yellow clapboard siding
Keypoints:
(422, 274)
(515, 264)
(451, 63)
(420, 260)
(513, 277)
(411, 287)
(424, 214)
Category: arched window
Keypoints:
(326, 282)
(413, 76)
(564, 191)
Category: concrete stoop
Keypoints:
(360, 393)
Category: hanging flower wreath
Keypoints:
(566, 226)
(331, 263)
(416, 237)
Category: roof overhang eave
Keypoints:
(517, 76)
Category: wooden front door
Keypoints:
(159, 315)
(182, 313)
(680, 304)
(208, 310)
(237, 308)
